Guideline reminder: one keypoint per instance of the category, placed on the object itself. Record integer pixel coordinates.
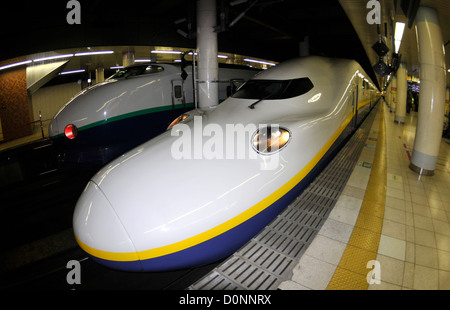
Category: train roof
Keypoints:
(189, 63)
(314, 68)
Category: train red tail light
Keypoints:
(71, 131)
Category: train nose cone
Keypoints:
(100, 233)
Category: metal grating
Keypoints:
(269, 258)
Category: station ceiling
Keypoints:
(398, 11)
(269, 29)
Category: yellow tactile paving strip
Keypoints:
(362, 247)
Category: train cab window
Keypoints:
(178, 92)
(136, 71)
(274, 89)
(153, 69)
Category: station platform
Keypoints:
(388, 227)
(37, 135)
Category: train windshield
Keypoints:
(274, 89)
(136, 71)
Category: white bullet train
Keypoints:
(131, 107)
(198, 192)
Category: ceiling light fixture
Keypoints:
(260, 62)
(74, 71)
(53, 57)
(399, 29)
(94, 53)
(166, 52)
(15, 64)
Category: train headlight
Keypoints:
(71, 131)
(180, 118)
(268, 140)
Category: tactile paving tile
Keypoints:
(370, 222)
(269, 258)
(355, 259)
(364, 240)
(348, 279)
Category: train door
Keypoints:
(178, 99)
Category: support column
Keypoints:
(447, 99)
(304, 47)
(127, 58)
(402, 88)
(432, 92)
(208, 66)
(99, 75)
(393, 103)
(389, 94)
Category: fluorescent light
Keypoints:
(142, 60)
(94, 53)
(15, 64)
(53, 57)
(260, 62)
(222, 56)
(399, 29)
(74, 71)
(116, 67)
(166, 52)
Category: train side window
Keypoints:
(296, 88)
(137, 71)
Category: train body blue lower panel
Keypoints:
(95, 146)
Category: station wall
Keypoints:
(48, 100)
(15, 104)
